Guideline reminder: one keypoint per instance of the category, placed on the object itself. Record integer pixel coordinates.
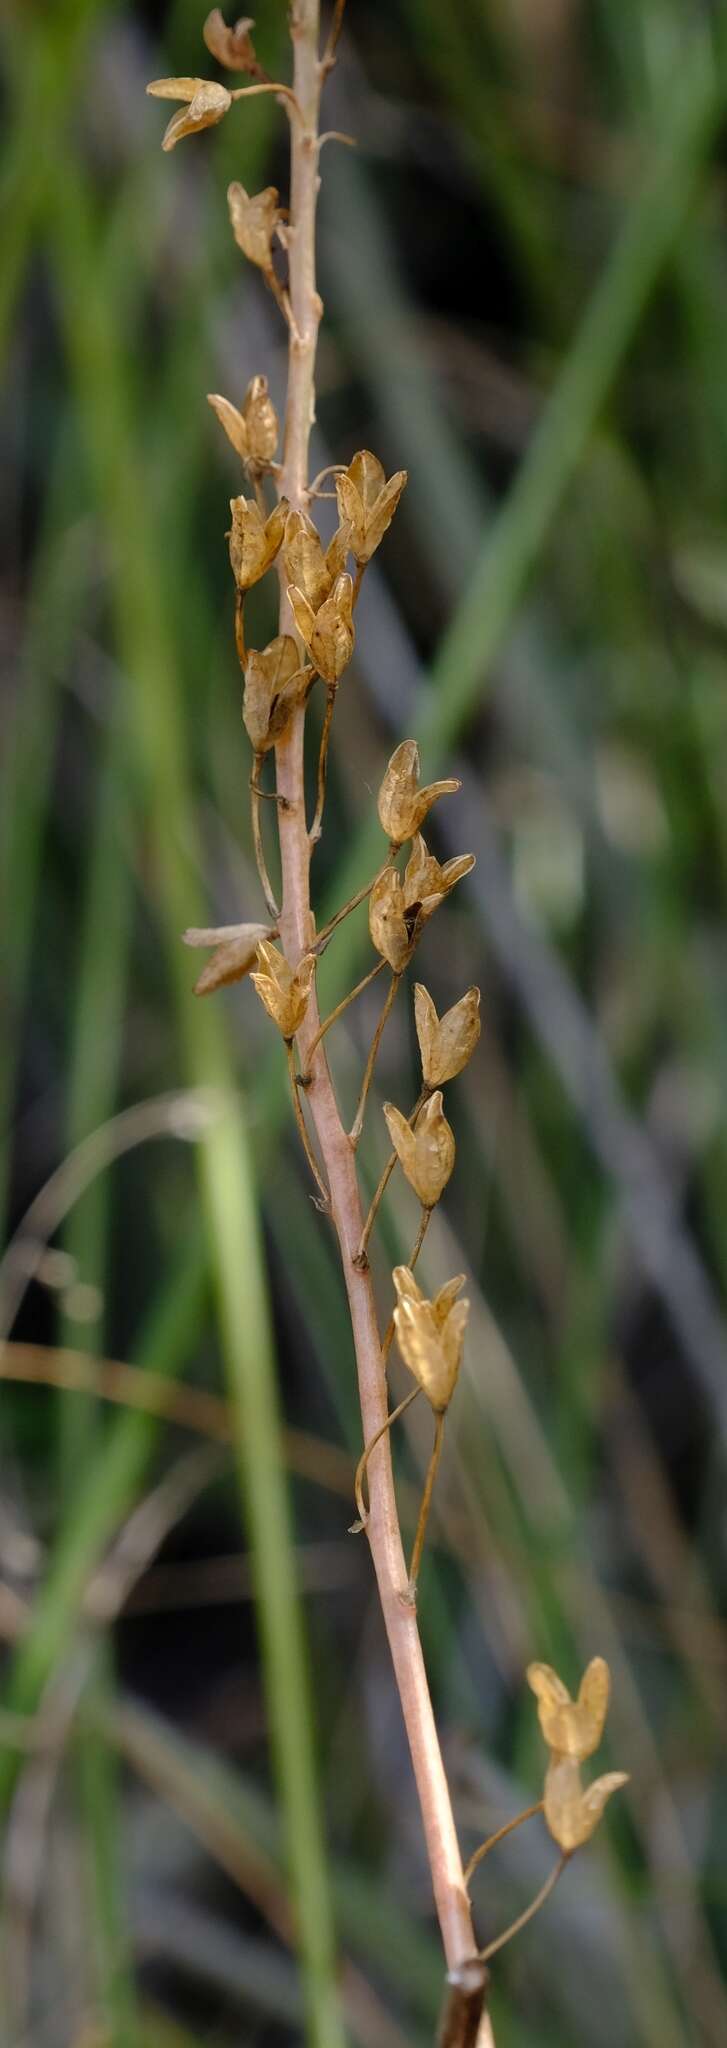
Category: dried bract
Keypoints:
(572, 1728)
(233, 422)
(206, 103)
(254, 219)
(572, 1814)
(235, 951)
(254, 542)
(328, 634)
(446, 1043)
(402, 805)
(426, 1153)
(232, 47)
(285, 991)
(430, 1335)
(274, 686)
(367, 503)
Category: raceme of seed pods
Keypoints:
(322, 584)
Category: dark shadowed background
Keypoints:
(524, 271)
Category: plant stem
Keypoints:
(298, 934)
(315, 830)
(364, 1512)
(499, 1836)
(343, 1005)
(257, 838)
(416, 1556)
(302, 1128)
(357, 1125)
(523, 1918)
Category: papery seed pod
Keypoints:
(387, 920)
(306, 567)
(572, 1727)
(328, 634)
(431, 1343)
(408, 1289)
(402, 805)
(232, 47)
(572, 1814)
(207, 103)
(235, 952)
(425, 1153)
(284, 991)
(367, 503)
(232, 421)
(254, 218)
(274, 685)
(254, 542)
(426, 880)
(261, 421)
(446, 1043)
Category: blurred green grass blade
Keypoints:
(97, 1773)
(147, 650)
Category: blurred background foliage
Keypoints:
(524, 273)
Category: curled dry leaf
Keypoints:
(254, 218)
(572, 1728)
(232, 47)
(235, 950)
(425, 1153)
(285, 991)
(206, 103)
(328, 634)
(274, 684)
(402, 805)
(253, 432)
(572, 1814)
(254, 542)
(446, 1043)
(367, 503)
(430, 1335)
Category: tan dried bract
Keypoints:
(367, 503)
(254, 541)
(235, 951)
(285, 991)
(254, 219)
(232, 47)
(572, 1814)
(572, 1728)
(206, 103)
(430, 1335)
(425, 1153)
(328, 634)
(274, 686)
(446, 1043)
(402, 805)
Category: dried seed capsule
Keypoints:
(572, 1727)
(572, 1814)
(430, 1336)
(387, 920)
(426, 1153)
(235, 951)
(367, 503)
(254, 542)
(274, 686)
(254, 218)
(426, 881)
(207, 103)
(328, 634)
(232, 47)
(402, 805)
(285, 991)
(261, 421)
(306, 566)
(446, 1043)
